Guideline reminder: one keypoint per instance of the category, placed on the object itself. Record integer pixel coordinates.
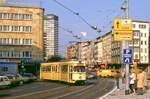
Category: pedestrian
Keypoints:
(145, 80)
(123, 76)
(140, 83)
(117, 77)
(132, 82)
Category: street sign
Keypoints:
(127, 60)
(127, 56)
(122, 24)
(122, 29)
(122, 35)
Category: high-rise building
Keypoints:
(51, 35)
(21, 32)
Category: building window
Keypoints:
(5, 28)
(141, 26)
(141, 58)
(145, 34)
(136, 49)
(145, 58)
(134, 25)
(145, 50)
(27, 29)
(15, 28)
(136, 33)
(5, 69)
(136, 41)
(145, 42)
(141, 42)
(141, 34)
(5, 16)
(27, 16)
(141, 49)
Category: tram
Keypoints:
(68, 71)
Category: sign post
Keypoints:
(123, 32)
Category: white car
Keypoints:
(4, 81)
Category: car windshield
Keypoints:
(79, 69)
(27, 75)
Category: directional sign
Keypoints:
(127, 60)
(127, 56)
(122, 29)
(122, 24)
(123, 35)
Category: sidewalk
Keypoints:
(120, 94)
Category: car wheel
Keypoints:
(21, 82)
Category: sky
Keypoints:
(98, 13)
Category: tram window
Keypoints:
(48, 69)
(56, 68)
(64, 68)
(43, 69)
(79, 69)
(71, 69)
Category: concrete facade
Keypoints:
(21, 33)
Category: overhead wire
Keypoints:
(77, 14)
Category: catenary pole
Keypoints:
(126, 45)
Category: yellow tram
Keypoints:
(69, 71)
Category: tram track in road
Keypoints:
(59, 91)
(94, 92)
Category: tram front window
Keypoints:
(79, 69)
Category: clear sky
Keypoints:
(97, 12)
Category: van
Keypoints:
(4, 81)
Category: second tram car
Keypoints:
(70, 71)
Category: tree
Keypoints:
(55, 58)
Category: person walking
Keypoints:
(132, 82)
(145, 80)
(140, 83)
(117, 77)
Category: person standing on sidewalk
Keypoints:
(140, 83)
(117, 78)
(132, 82)
(145, 79)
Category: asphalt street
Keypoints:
(49, 90)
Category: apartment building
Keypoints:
(98, 49)
(72, 52)
(21, 33)
(51, 35)
(106, 45)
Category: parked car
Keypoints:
(4, 81)
(28, 77)
(15, 79)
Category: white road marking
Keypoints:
(38, 92)
(108, 93)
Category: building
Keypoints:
(51, 35)
(139, 44)
(98, 50)
(21, 33)
(107, 48)
(71, 53)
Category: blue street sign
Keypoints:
(127, 51)
(127, 60)
(127, 56)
